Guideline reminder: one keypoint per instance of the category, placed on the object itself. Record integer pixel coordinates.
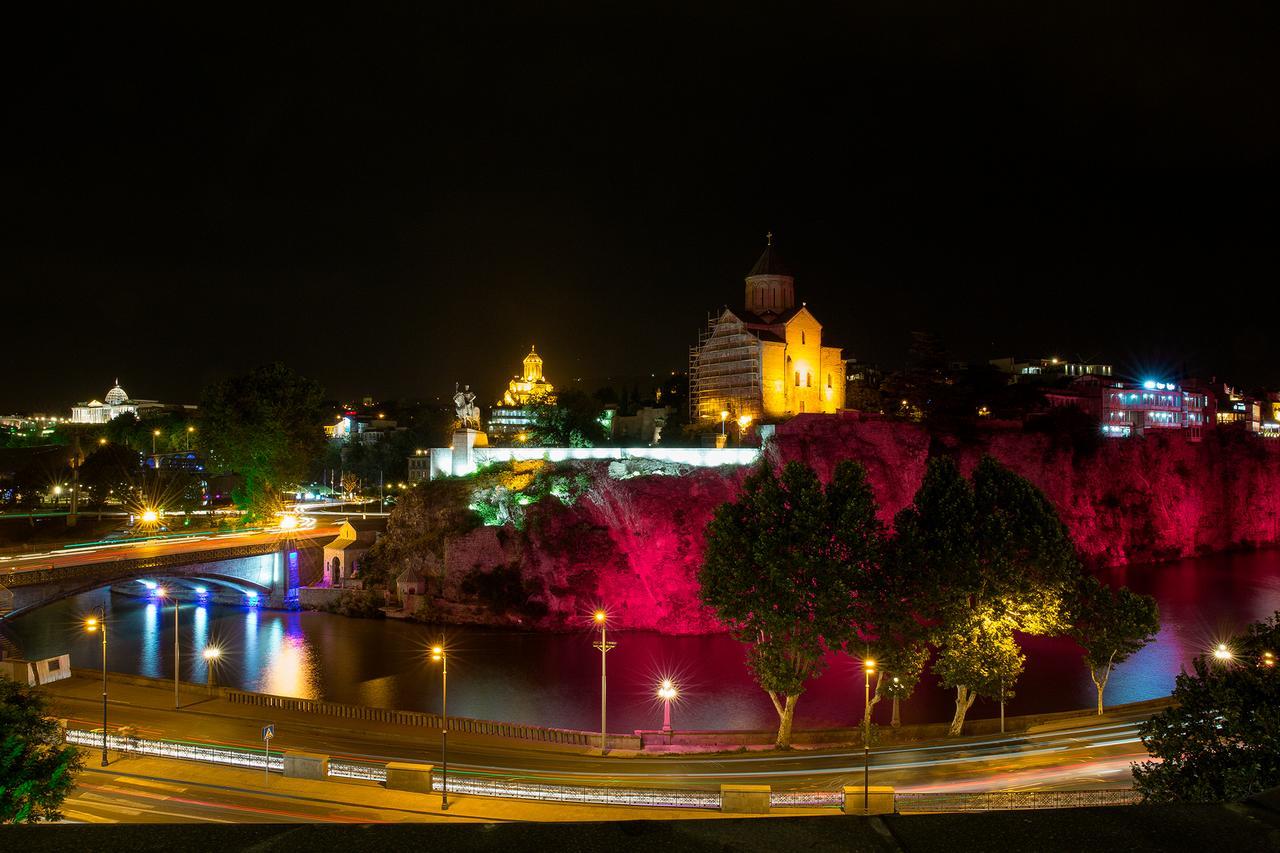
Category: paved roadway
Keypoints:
(80, 555)
(1080, 754)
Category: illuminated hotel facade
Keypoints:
(1125, 410)
(767, 359)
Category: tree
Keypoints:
(265, 426)
(1220, 740)
(37, 768)
(1110, 625)
(111, 471)
(784, 569)
(571, 421)
(990, 557)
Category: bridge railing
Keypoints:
(987, 801)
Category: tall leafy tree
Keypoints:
(785, 568)
(37, 768)
(1220, 740)
(992, 558)
(1111, 624)
(266, 426)
(572, 420)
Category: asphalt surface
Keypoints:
(1085, 753)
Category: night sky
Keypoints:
(392, 202)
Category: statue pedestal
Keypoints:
(464, 444)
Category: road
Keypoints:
(100, 552)
(1079, 754)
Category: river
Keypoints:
(554, 679)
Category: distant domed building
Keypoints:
(766, 359)
(113, 405)
(511, 417)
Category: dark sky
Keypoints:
(391, 202)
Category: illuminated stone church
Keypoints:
(767, 358)
(512, 415)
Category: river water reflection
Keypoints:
(554, 679)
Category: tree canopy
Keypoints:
(990, 557)
(1111, 624)
(264, 425)
(1220, 740)
(786, 568)
(573, 420)
(37, 767)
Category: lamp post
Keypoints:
(602, 619)
(1001, 704)
(868, 667)
(724, 416)
(1223, 654)
(161, 593)
(155, 433)
(438, 653)
(667, 692)
(99, 623)
(190, 429)
(211, 655)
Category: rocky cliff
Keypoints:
(633, 543)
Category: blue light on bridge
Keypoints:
(251, 598)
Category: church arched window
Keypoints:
(808, 379)
(797, 379)
(802, 337)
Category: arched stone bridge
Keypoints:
(269, 570)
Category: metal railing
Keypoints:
(226, 755)
(986, 801)
(806, 799)
(519, 790)
(358, 770)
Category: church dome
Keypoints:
(116, 396)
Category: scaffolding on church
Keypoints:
(724, 372)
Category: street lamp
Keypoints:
(602, 619)
(211, 655)
(438, 653)
(1268, 659)
(667, 692)
(149, 516)
(724, 416)
(155, 433)
(288, 521)
(868, 668)
(1223, 653)
(161, 592)
(190, 429)
(99, 623)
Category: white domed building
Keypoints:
(113, 405)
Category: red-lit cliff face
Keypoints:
(635, 544)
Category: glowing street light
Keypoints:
(1268, 659)
(601, 619)
(1223, 653)
(667, 692)
(92, 624)
(161, 592)
(868, 669)
(149, 516)
(155, 433)
(288, 521)
(211, 655)
(724, 416)
(438, 654)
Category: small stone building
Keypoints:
(410, 586)
(342, 556)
